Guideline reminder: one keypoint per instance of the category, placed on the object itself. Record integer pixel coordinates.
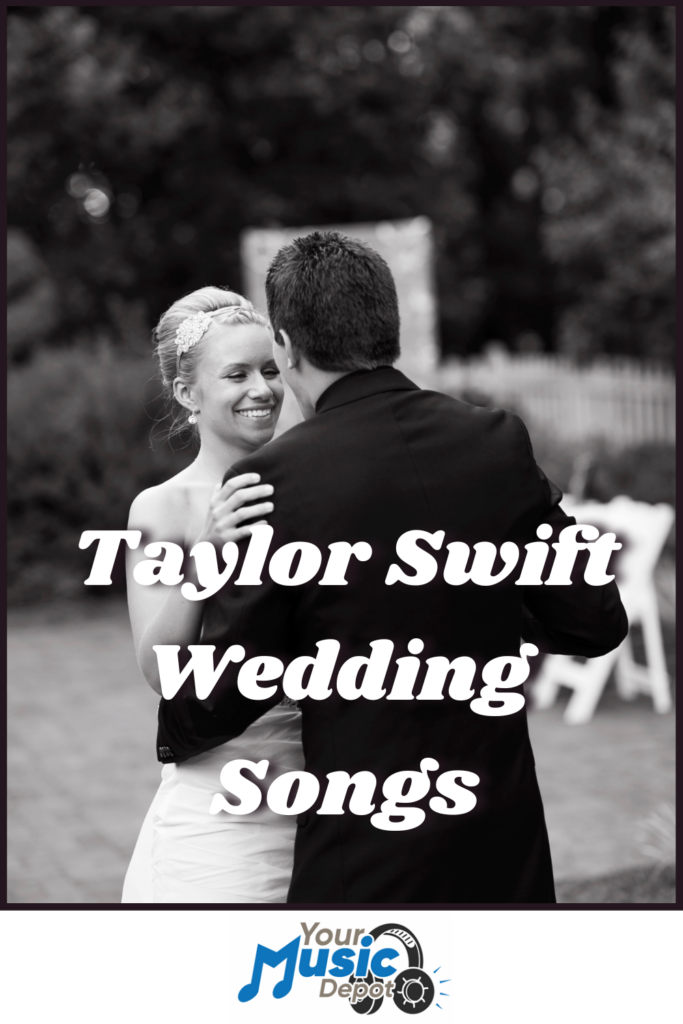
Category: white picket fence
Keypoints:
(620, 400)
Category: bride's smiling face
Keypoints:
(238, 390)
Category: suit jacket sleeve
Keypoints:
(580, 619)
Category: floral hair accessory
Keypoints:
(191, 330)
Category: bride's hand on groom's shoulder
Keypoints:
(230, 510)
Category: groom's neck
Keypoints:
(311, 384)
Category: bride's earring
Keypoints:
(192, 419)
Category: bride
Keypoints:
(216, 361)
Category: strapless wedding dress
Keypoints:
(184, 854)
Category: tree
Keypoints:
(611, 205)
(180, 126)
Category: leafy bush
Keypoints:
(80, 423)
(645, 473)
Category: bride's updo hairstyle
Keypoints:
(226, 308)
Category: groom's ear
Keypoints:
(290, 351)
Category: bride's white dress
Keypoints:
(184, 854)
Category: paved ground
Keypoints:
(82, 768)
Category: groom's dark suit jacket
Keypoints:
(379, 458)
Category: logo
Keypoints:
(367, 969)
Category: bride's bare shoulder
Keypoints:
(164, 508)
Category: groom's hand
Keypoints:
(232, 504)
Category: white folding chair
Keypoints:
(642, 529)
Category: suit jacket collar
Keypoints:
(363, 384)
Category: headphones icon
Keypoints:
(413, 987)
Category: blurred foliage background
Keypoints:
(143, 140)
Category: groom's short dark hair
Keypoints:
(336, 299)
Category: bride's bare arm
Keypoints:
(160, 614)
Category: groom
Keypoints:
(376, 457)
